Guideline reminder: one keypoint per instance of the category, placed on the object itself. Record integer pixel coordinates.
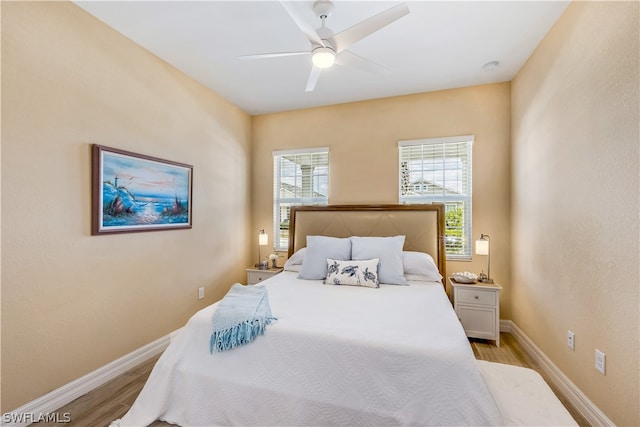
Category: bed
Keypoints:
(392, 354)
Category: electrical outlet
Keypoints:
(571, 340)
(600, 361)
(201, 292)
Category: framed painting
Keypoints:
(133, 192)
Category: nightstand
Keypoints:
(477, 305)
(255, 275)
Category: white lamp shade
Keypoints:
(482, 247)
(263, 239)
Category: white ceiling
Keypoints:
(439, 45)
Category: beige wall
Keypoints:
(72, 302)
(575, 201)
(363, 153)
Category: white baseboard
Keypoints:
(569, 390)
(505, 325)
(56, 399)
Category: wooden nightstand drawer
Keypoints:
(255, 275)
(476, 296)
(478, 322)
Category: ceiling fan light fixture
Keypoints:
(323, 57)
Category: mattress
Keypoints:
(337, 355)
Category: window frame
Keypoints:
(279, 202)
(449, 200)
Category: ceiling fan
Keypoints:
(328, 48)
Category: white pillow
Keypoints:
(420, 266)
(354, 273)
(388, 250)
(294, 263)
(319, 249)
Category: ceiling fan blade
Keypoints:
(353, 34)
(272, 55)
(307, 29)
(350, 59)
(314, 75)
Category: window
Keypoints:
(439, 170)
(300, 177)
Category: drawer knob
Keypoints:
(476, 297)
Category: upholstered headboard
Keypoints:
(423, 225)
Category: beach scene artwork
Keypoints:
(140, 193)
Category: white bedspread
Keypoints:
(337, 355)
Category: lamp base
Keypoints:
(483, 278)
(264, 265)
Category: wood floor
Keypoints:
(113, 400)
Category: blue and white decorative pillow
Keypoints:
(353, 273)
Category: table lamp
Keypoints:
(482, 248)
(263, 240)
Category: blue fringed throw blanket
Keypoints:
(241, 316)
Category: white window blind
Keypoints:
(300, 177)
(439, 170)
